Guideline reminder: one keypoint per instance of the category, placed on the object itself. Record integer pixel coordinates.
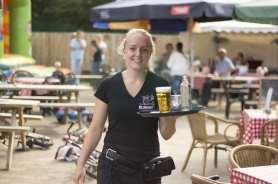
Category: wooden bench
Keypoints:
(76, 105)
(11, 130)
(69, 104)
(25, 116)
(52, 98)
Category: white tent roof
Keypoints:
(233, 26)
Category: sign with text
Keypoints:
(180, 10)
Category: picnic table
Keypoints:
(244, 85)
(11, 130)
(58, 88)
(89, 76)
(35, 80)
(17, 107)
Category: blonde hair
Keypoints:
(121, 47)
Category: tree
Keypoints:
(62, 15)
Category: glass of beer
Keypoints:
(163, 95)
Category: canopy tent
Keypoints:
(233, 26)
(250, 38)
(260, 11)
(162, 15)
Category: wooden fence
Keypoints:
(48, 47)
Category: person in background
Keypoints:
(241, 64)
(261, 70)
(161, 67)
(196, 65)
(131, 140)
(179, 66)
(58, 73)
(223, 67)
(96, 55)
(77, 46)
(103, 47)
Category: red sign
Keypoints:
(180, 10)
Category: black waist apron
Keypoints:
(116, 169)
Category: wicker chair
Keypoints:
(265, 140)
(251, 155)
(197, 179)
(201, 139)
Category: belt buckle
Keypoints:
(110, 154)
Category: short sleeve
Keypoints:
(102, 91)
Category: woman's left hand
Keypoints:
(167, 126)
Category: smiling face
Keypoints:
(137, 50)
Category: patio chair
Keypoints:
(251, 155)
(265, 140)
(197, 179)
(233, 95)
(201, 139)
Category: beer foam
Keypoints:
(163, 89)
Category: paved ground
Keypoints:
(40, 167)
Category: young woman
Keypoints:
(131, 140)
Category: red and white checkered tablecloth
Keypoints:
(253, 120)
(240, 178)
(255, 175)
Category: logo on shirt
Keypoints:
(147, 103)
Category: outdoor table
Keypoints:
(245, 82)
(249, 79)
(34, 80)
(253, 120)
(78, 106)
(68, 89)
(255, 175)
(60, 88)
(89, 76)
(17, 107)
(11, 130)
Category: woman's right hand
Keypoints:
(79, 176)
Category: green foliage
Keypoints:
(63, 15)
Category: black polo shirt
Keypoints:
(133, 136)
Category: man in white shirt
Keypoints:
(77, 46)
(224, 66)
(179, 66)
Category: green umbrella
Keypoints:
(260, 11)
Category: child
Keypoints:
(58, 72)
